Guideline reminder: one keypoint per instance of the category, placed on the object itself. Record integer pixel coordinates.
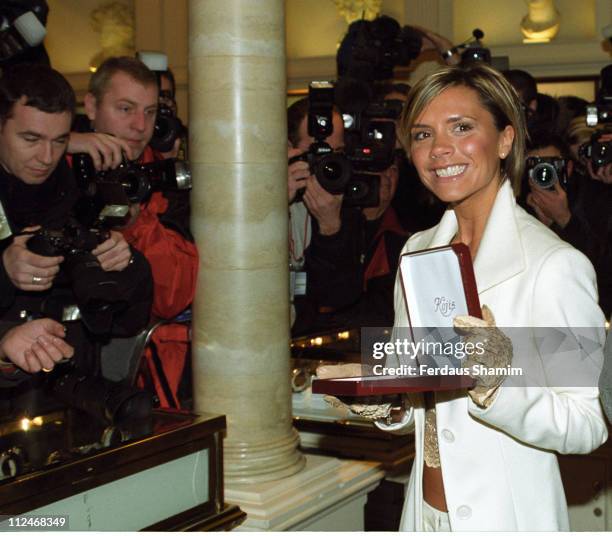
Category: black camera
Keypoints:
(472, 50)
(601, 111)
(371, 49)
(107, 401)
(337, 172)
(138, 181)
(168, 128)
(545, 172)
(97, 292)
(22, 26)
(73, 240)
(598, 152)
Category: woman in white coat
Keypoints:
(485, 458)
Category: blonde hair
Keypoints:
(495, 93)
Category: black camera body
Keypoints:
(110, 192)
(97, 292)
(107, 401)
(73, 240)
(168, 128)
(545, 172)
(344, 172)
(600, 112)
(371, 49)
(597, 152)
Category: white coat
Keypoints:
(499, 466)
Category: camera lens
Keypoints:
(544, 175)
(333, 172)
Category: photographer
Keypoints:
(121, 106)
(349, 254)
(105, 289)
(578, 212)
(312, 218)
(369, 264)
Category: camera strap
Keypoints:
(300, 233)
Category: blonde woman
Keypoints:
(485, 458)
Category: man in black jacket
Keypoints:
(92, 282)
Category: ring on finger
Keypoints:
(47, 369)
(36, 280)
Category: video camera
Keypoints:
(545, 172)
(168, 127)
(369, 147)
(22, 26)
(108, 194)
(472, 49)
(371, 49)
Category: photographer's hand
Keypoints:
(35, 345)
(323, 206)
(105, 150)
(297, 174)
(26, 270)
(552, 204)
(113, 254)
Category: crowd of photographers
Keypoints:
(94, 229)
(87, 200)
(347, 228)
(568, 179)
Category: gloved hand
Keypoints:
(371, 408)
(497, 353)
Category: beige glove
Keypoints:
(373, 408)
(483, 333)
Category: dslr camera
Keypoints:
(473, 49)
(598, 152)
(544, 172)
(168, 127)
(343, 172)
(600, 112)
(109, 193)
(94, 289)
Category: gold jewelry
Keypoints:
(47, 369)
(430, 451)
(36, 280)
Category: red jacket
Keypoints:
(174, 263)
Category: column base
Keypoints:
(328, 494)
(246, 463)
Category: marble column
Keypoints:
(238, 154)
